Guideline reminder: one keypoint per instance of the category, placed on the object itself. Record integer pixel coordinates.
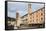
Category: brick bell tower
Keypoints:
(18, 20)
(29, 12)
(29, 8)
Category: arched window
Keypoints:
(41, 13)
(41, 18)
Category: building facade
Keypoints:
(36, 17)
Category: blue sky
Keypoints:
(21, 7)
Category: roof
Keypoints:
(11, 18)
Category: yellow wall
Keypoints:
(36, 17)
